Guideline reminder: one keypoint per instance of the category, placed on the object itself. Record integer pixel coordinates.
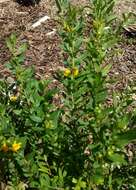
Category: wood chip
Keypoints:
(41, 20)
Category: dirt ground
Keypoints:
(44, 51)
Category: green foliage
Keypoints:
(81, 145)
(29, 119)
(96, 133)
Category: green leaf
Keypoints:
(74, 180)
(43, 168)
(117, 158)
(98, 179)
(36, 118)
(11, 43)
(109, 7)
(111, 18)
(101, 96)
(22, 49)
(78, 43)
(126, 138)
(58, 5)
(106, 69)
(55, 118)
(17, 112)
(123, 122)
(20, 59)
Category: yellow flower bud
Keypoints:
(67, 72)
(15, 146)
(49, 124)
(111, 150)
(75, 71)
(68, 28)
(5, 147)
(13, 98)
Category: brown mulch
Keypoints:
(44, 51)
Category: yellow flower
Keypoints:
(13, 98)
(75, 71)
(110, 152)
(5, 147)
(15, 146)
(49, 124)
(67, 72)
(68, 28)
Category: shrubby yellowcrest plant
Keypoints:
(28, 123)
(93, 149)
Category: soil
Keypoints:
(44, 51)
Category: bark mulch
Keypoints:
(44, 51)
